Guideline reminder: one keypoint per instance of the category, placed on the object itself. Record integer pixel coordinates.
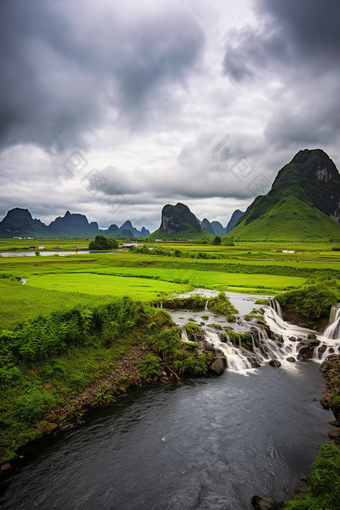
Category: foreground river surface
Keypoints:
(203, 444)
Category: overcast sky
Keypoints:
(161, 101)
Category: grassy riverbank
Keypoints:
(46, 362)
(68, 326)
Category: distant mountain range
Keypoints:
(19, 223)
(303, 203)
(217, 229)
(178, 222)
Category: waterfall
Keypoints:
(333, 329)
(236, 359)
(279, 340)
(206, 305)
(292, 339)
(161, 304)
(276, 306)
(184, 336)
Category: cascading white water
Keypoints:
(333, 330)
(287, 341)
(326, 343)
(206, 305)
(237, 361)
(184, 336)
(276, 306)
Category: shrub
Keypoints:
(33, 404)
(324, 487)
(101, 242)
(217, 241)
(150, 367)
(311, 302)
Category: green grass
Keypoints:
(57, 283)
(19, 302)
(143, 289)
(290, 219)
(323, 492)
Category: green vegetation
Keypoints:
(180, 223)
(310, 303)
(323, 492)
(101, 242)
(48, 360)
(243, 339)
(298, 206)
(221, 305)
(261, 302)
(216, 326)
(217, 241)
(178, 357)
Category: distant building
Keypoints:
(288, 251)
(41, 247)
(158, 240)
(129, 245)
(57, 248)
(33, 247)
(274, 251)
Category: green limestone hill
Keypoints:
(234, 220)
(207, 226)
(219, 229)
(178, 222)
(303, 203)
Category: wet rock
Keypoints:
(264, 504)
(324, 367)
(291, 359)
(300, 357)
(5, 467)
(334, 434)
(307, 352)
(325, 403)
(311, 336)
(321, 349)
(49, 428)
(274, 363)
(218, 366)
(331, 350)
(292, 338)
(66, 426)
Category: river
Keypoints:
(208, 444)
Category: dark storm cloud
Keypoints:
(297, 45)
(302, 34)
(63, 69)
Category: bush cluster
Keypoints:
(311, 303)
(101, 242)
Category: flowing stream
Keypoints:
(208, 443)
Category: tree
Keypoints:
(101, 242)
(218, 241)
